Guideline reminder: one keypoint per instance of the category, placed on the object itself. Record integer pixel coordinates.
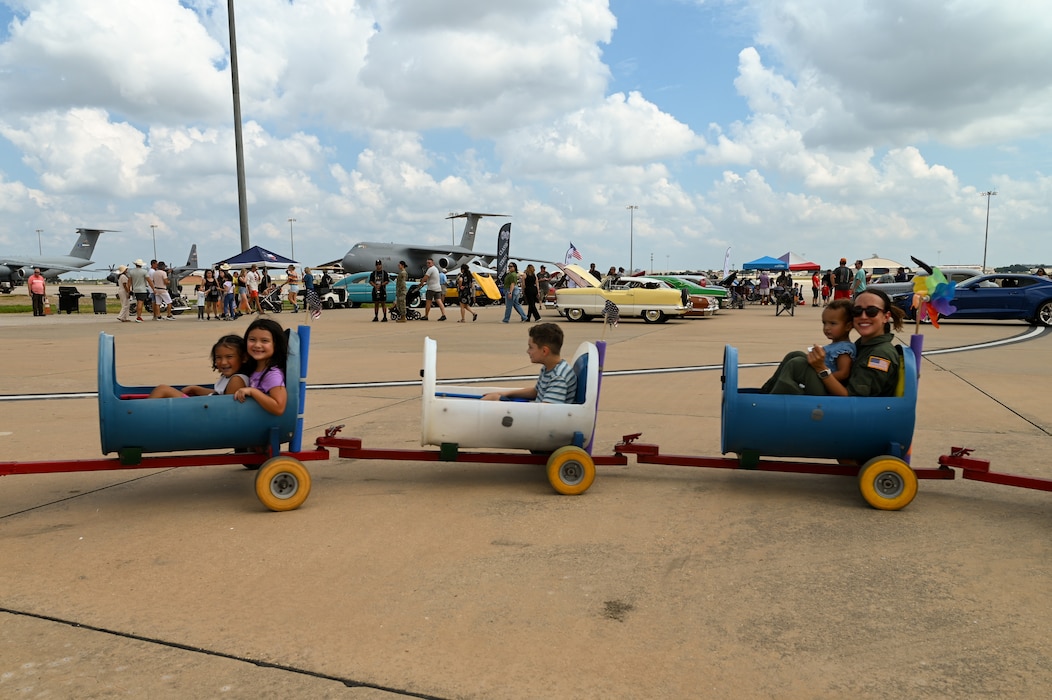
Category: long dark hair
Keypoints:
(281, 343)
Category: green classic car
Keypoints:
(690, 284)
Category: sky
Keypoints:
(826, 127)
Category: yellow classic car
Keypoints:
(654, 302)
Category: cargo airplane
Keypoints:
(15, 268)
(363, 256)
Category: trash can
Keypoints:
(98, 302)
(69, 300)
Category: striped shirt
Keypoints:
(557, 385)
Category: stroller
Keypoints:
(270, 299)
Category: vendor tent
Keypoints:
(257, 256)
(797, 263)
(766, 263)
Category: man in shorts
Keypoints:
(378, 280)
(433, 280)
(252, 280)
(160, 293)
(139, 280)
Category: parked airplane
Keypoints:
(15, 269)
(363, 256)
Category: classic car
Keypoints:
(701, 305)
(1001, 296)
(360, 292)
(719, 295)
(653, 301)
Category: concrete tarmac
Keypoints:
(443, 580)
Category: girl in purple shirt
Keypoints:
(267, 352)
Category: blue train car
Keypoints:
(132, 427)
(758, 425)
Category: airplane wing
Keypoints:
(15, 263)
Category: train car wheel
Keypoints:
(887, 483)
(570, 470)
(282, 483)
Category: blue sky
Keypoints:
(827, 127)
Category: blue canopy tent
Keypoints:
(257, 256)
(766, 263)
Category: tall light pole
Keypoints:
(452, 228)
(292, 240)
(631, 235)
(153, 232)
(40, 246)
(986, 237)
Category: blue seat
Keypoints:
(580, 368)
(132, 427)
(826, 427)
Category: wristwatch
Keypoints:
(825, 373)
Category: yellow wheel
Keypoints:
(282, 483)
(570, 470)
(887, 483)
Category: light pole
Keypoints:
(631, 235)
(452, 228)
(153, 232)
(986, 237)
(292, 240)
(40, 247)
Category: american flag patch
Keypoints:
(879, 363)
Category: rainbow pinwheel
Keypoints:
(932, 295)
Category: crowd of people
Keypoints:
(223, 293)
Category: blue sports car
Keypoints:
(1000, 296)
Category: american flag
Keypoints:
(572, 254)
(314, 304)
(611, 313)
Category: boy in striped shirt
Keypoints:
(557, 382)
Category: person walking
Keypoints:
(308, 287)
(529, 288)
(433, 280)
(816, 287)
(212, 299)
(293, 280)
(543, 284)
(123, 293)
(511, 294)
(37, 290)
(252, 281)
(842, 279)
(378, 280)
(401, 288)
(859, 284)
(139, 279)
(466, 293)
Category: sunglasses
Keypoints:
(871, 311)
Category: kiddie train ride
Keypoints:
(867, 438)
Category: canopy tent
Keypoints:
(257, 256)
(766, 263)
(879, 266)
(797, 263)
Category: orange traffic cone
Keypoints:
(47, 307)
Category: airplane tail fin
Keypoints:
(85, 244)
(467, 239)
(191, 260)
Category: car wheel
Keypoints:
(653, 316)
(329, 304)
(576, 315)
(1044, 314)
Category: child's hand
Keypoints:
(816, 357)
(243, 393)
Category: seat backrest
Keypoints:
(580, 368)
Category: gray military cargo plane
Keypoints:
(363, 256)
(14, 269)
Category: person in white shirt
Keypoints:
(433, 278)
